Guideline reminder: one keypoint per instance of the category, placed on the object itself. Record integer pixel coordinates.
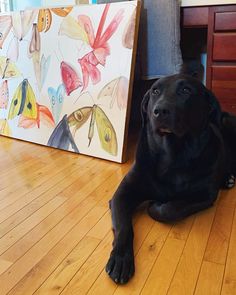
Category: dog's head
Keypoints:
(179, 105)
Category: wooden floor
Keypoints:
(55, 231)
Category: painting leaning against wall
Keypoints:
(66, 76)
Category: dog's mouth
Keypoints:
(164, 131)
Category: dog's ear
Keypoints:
(192, 67)
(144, 106)
(215, 112)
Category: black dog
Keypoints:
(184, 156)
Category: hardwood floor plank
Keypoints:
(86, 275)
(210, 279)
(4, 265)
(150, 249)
(181, 229)
(221, 230)
(62, 259)
(143, 224)
(229, 282)
(187, 271)
(23, 228)
(164, 268)
(98, 195)
(31, 179)
(55, 283)
(87, 203)
(50, 186)
(24, 264)
(70, 205)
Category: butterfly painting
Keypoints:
(106, 131)
(4, 95)
(23, 102)
(66, 75)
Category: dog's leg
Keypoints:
(176, 210)
(229, 134)
(120, 266)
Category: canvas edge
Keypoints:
(130, 92)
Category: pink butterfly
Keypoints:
(4, 95)
(70, 78)
(98, 43)
(5, 26)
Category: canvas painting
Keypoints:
(66, 76)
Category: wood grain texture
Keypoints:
(224, 47)
(55, 236)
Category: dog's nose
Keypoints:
(163, 111)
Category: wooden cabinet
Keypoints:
(220, 24)
(221, 51)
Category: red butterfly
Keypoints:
(98, 43)
(70, 78)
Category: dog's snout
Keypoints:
(162, 110)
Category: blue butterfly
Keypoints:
(56, 99)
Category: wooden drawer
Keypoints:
(224, 47)
(195, 17)
(225, 21)
(224, 86)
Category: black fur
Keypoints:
(184, 156)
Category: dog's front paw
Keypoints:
(230, 181)
(120, 268)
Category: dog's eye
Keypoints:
(186, 90)
(156, 91)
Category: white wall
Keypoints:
(19, 5)
(57, 2)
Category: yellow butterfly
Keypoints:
(4, 127)
(73, 29)
(45, 17)
(23, 102)
(106, 131)
(8, 69)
